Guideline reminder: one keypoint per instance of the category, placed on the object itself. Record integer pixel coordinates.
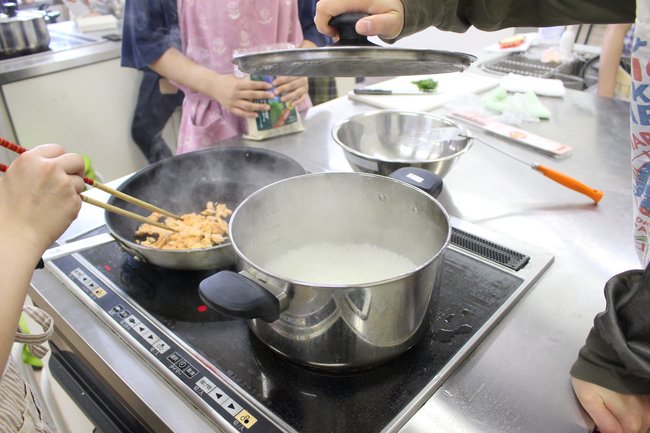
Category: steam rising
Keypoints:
(184, 183)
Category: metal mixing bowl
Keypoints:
(385, 140)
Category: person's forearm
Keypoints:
(308, 44)
(178, 68)
(16, 267)
(490, 15)
(610, 58)
(616, 354)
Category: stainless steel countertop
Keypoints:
(517, 380)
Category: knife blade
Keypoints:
(367, 91)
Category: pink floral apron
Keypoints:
(210, 32)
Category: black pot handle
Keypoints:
(348, 36)
(10, 8)
(235, 295)
(424, 179)
(51, 16)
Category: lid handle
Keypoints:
(11, 9)
(348, 36)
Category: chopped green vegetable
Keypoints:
(427, 85)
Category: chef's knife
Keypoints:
(367, 91)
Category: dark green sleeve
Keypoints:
(488, 15)
(616, 354)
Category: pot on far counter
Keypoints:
(24, 31)
(337, 270)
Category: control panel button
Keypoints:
(190, 372)
(174, 358)
(205, 384)
(231, 407)
(78, 274)
(246, 419)
(161, 346)
(218, 395)
(141, 329)
(132, 321)
(99, 292)
(151, 338)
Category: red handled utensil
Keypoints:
(19, 149)
(113, 209)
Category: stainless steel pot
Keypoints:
(24, 31)
(335, 326)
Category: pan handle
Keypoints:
(236, 295)
(125, 247)
(348, 36)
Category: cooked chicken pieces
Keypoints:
(204, 230)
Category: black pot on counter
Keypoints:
(25, 31)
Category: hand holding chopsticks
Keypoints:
(18, 149)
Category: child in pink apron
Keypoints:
(210, 31)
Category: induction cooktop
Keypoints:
(238, 383)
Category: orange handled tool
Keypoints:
(569, 182)
(561, 178)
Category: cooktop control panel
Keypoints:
(156, 344)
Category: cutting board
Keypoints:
(450, 86)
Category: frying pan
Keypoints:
(183, 184)
(352, 56)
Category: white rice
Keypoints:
(330, 263)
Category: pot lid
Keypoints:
(352, 56)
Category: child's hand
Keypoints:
(291, 89)
(237, 95)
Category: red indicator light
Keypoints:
(202, 308)
(107, 267)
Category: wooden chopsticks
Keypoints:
(19, 149)
(125, 213)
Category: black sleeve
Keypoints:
(306, 12)
(489, 15)
(150, 27)
(616, 354)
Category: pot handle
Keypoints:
(10, 8)
(235, 295)
(51, 16)
(421, 178)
